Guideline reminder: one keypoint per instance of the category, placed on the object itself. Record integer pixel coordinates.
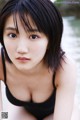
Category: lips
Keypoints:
(22, 58)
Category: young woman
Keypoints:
(39, 77)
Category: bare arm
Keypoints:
(1, 78)
(66, 82)
(0, 97)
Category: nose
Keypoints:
(22, 47)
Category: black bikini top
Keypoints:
(39, 110)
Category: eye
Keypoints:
(34, 37)
(12, 35)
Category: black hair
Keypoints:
(48, 20)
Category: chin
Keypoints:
(24, 68)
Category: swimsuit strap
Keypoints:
(4, 66)
(54, 80)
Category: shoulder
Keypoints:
(66, 87)
(66, 74)
(1, 67)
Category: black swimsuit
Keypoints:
(38, 110)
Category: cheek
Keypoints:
(40, 49)
(9, 47)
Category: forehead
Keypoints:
(17, 21)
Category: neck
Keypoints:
(40, 69)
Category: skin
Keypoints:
(31, 45)
(26, 80)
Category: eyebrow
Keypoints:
(15, 29)
(10, 28)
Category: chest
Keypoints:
(25, 88)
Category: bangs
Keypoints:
(26, 21)
(31, 16)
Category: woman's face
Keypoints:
(25, 49)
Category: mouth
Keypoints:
(23, 59)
